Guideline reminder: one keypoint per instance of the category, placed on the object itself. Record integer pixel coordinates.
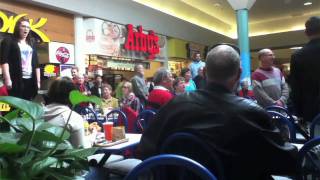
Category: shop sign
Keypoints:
(10, 22)
(51, 70)
(61, 53)
(138, 41)
(4, 107)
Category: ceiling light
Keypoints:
(297, 47)
(307, 3)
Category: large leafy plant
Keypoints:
(35, 149)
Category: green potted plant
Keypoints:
(35, 149)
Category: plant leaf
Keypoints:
(76, 97)
(11, 148)
(11, 115)
(9, 137)
(40, 137)
(33, 109)
(56, 130)
(42, 164)
(58, 175)
(80, 153)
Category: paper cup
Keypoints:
(107, 127)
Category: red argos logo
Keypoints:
(62, 55)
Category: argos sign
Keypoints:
(61, 53)
(10, 22)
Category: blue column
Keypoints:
(243, 43)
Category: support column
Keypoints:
(243, 43)
(242, 10)
(78, 44)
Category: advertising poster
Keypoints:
(61, 53)
(65, 70)
(108, 39)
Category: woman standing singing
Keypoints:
(19, 60)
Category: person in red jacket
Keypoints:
(245, 91)
(161, 93)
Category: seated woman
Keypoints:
(58, 110)
(130, 105)
(108, 102)
(129, 100)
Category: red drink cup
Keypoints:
(107, 127)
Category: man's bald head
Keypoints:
(222, 64)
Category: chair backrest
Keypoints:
(171, 159)
(308, 159)
(315, 127)
(281, 110)
(191, 146)
(286, 127)
(88, 114)
(118, 118)
(144, 119)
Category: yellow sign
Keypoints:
(4, 107)
(10, 22)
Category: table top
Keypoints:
(134, 139)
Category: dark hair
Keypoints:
(184, 71)
(222, 63)
(177, 80)
(313, 25)
(60, 89)
(16, 33)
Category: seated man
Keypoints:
(241, 133)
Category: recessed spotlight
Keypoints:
(307, 3)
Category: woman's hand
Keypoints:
(8, 83)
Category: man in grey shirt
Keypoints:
(139, 86)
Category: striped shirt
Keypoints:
(269, 86)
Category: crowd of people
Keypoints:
(204, 99)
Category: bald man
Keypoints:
(269, 85)
(239, 131)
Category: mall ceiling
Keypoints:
(266, 16)
(277, 24)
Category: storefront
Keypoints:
(181, 53)
(115, 49)
(53, 32)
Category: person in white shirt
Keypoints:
(58, 110)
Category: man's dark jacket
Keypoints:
(249, 146)
(305, 80)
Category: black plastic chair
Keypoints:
(286, 127)
(118, 118)
(144, 119)
(315, 127)
(309, 160)
(191, 146)
(170, 159)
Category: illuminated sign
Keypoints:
(10, 22)
(138, 41)
(62, 55)
(51, 70)
(4, 107)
